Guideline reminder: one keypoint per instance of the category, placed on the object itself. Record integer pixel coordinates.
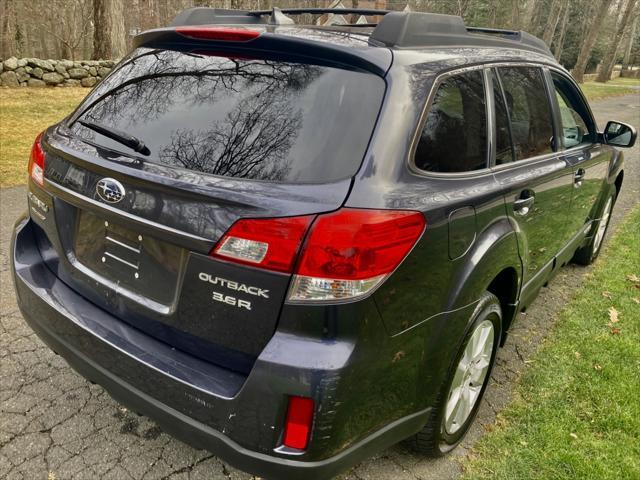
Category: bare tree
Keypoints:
(531, 15)
(559, 44)
(590, 39)
(6, 30)
(630, 39)
(552, 21)
(610, 58)
(67, 22)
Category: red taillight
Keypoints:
(270, 243)
(36, 161)
(353, 244)
(347, 253)
(224, 34)
(297, 426)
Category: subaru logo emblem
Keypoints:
(110, 190)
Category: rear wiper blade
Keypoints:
(119, 136)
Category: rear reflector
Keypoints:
(346, 254)
(297, 426)
(270, 243)
(224, 34)
(36, 161)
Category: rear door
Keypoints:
(536, 181)
(588, 160)
(225, 139)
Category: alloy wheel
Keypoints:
(469, 378)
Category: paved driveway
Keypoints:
(54, 424)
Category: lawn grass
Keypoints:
(576, 413)
(25, 112)
(613, 88)
(634, 82)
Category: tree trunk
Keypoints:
(590, 39)
(7, 42)
(552, 21)
(109, 34)
(563, 31)
(118, 30)
(101, 30)
(610, 57)
(629, 47)
(493, 13)
(532, 14)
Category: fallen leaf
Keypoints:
(637, 300)
(614, 315)
(398, 356)
(573, 435)
(615, 331)
(577, 354)
(607, 295)
(633, 278)
(597, 367)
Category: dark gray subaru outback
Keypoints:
(294, 246)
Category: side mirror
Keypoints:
(620, 134)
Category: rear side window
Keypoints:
(528, 109)
(454, 137)
(248, 118)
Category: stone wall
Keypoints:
(631, 73)
(34, 72)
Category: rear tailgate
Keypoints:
(228, 139)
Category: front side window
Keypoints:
(576, 122)
(454, 137)
(529, 111)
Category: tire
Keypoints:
(586, 255)
(443, 432)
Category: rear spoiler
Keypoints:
(264, 44)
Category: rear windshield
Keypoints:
(244, 118)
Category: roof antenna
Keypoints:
(279, 18)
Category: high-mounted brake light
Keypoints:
(224, 34)
(297, 426)
(350, 252)
(346, 254)
(270, 243)
(36, 161)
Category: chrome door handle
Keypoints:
(522, 206)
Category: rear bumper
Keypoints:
(179, 391)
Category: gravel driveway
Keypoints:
(56, 425)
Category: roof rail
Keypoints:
(415, 30)
(395, 30)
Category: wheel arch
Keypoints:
(505, 287)
(493, 264)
